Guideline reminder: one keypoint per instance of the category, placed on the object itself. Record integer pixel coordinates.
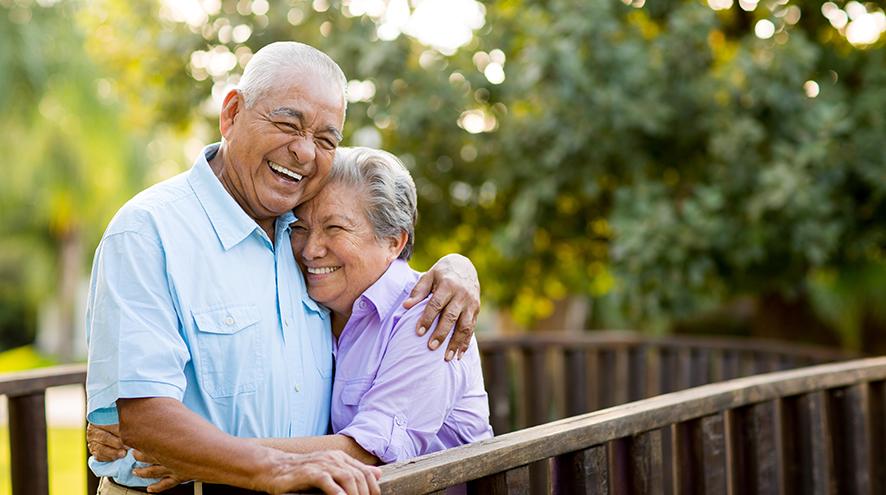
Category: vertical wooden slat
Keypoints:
(576, 382)
(730, 365)
(622, 376)
(606, 369)
(646, 474)
(653, 371)
(595, 378)
(27, 444)
(877, 418)
(620, 467)
(585, 471)
(535, 390)
(764, 453)
(668, 378)
(700, 367)
(716, 365)
(739, 472)
(713, 437)
(512, 482)
(637, 373)
(495, 365)
(688, 458)
(684, 368)
(536, 401)
(851, 435)
(819, 473)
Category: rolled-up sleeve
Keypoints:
(135, 346)
(400, 412)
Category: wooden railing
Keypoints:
(535, 378)
(531, 379)
(26, 400)
(816, 430)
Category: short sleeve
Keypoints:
(135, 346)
(401, 412)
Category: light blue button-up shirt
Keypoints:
(189, 299)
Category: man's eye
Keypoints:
(327, 144)
(299, 229)
(286, 127)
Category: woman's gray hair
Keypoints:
(391, 203)
(273, 63)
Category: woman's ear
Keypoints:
(397, 244)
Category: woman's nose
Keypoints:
(314, 247)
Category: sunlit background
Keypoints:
(669, 166)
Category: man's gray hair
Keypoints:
(270, 66)
(389, 192)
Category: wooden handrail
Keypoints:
(531, 379)
(513, 450)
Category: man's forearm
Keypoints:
(166, 430)
(304, 445)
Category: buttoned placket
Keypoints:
(291, 340)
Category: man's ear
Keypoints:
(231, 107)
(397, 244)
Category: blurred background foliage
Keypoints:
(676, 165)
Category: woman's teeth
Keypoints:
(283, 170)
(322, 271)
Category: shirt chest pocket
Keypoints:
(354, 390)
(228, 359)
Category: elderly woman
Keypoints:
(392, 399)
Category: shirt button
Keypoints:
(285, 323)
(400, 421)
(297, 388)
(229, 320)
(361, 305)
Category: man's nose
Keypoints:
(303, 148)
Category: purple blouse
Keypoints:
(391, 394)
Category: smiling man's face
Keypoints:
(278, 153)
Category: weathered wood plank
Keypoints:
(497, 381)
(36, 381)
(511, 482)
(646, 473)
(688, 458)
(815, 411)
(638, 364)
(713, 438)
(584, 471)
(27, 444)
(877, 417)
(620, 467)
(576, 378)
(851, 435)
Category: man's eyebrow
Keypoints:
(335, 132)
(288, 112)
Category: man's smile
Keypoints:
(285, 172)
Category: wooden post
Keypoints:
(585, 471)
(27, 444)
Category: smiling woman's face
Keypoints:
(336, 247)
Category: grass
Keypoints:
(66, 446)
(67, 461)
(23, 358)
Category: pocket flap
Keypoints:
(353, 390)
(227, 320)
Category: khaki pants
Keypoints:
(107, 487)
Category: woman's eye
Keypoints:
(335, 227)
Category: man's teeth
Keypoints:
(323, 270)
(283, 170)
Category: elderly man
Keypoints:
(200, 329)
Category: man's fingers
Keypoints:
(153, 471)
(142, 457)
(461, 338)
(162, 485)
(99, 436)
(419, 293)
(445, 324)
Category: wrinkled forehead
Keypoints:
(335, 197)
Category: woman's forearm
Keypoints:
(304, 445)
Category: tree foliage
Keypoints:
(660, 155)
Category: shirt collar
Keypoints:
(230, 222)
(386, 292)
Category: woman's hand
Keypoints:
(103, 442)
(455, 299)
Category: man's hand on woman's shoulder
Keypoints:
(455, 298)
